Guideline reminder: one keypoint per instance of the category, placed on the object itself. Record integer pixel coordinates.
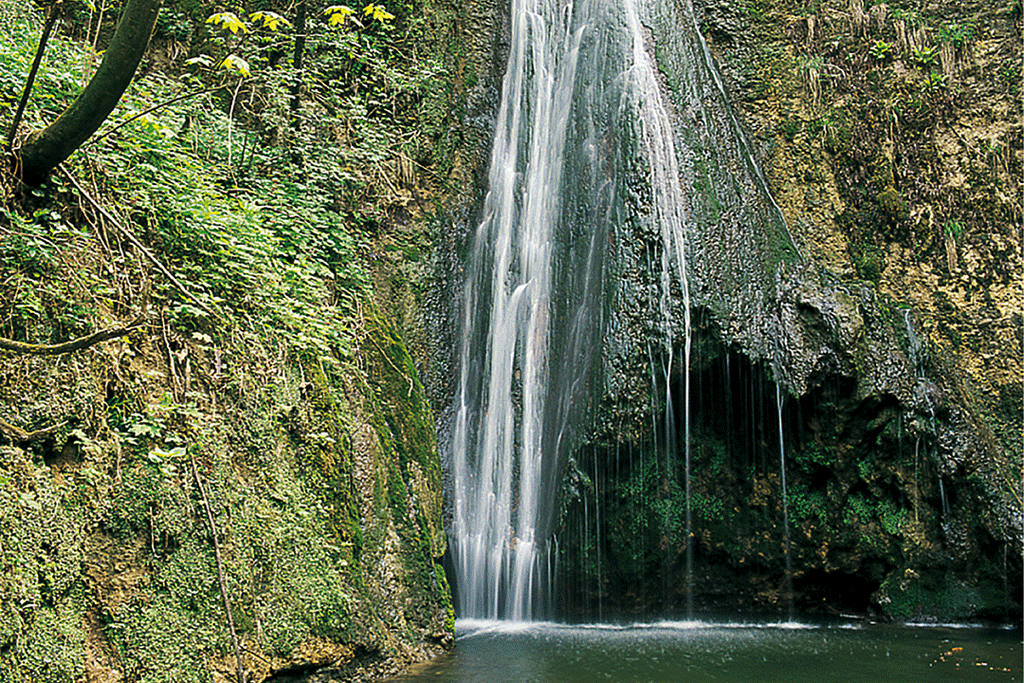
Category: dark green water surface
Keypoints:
(723, 652)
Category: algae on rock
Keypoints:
(324, 482)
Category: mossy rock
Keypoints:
(904, 595)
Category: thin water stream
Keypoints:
(785, 507)
(723, 652)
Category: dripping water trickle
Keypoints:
(917, 479)
(785, 508)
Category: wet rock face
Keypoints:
(891, 136)
(883, 306)
(887, 415)
(877, 523)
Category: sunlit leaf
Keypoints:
(236, 63)
(174, 453)
(378, 13)
(338, 14)
(271, 20)
(343, 10)
(229, 21)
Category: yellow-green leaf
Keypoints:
(378, 13)
(229, 21)
(236, 63)
(271, 20)
(337, 14)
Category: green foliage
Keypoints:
(707, 508)
(881, 50)
(830, 128)
(55, 85)
(157, 640)
(803, 504)
(645, 514)
(812, 457)
(42, 597)
(946, 599)
(953, 229)
(51, 647)
(790, 127)
(272, 223)
(935, 82)
(911, 17)
(1010, 77)
(867, 466)
(860, 508)
(924, 56)
(44, 303)
(869, 261)
(174, 23)
(893, 519)
(956, 33)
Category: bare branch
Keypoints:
(19, 435)
(47, 28)
(69, 346)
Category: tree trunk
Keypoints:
(45, 149)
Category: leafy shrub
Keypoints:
(881, 50)
(924, 56)
(959, 35)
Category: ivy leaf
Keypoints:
(143, 429)
(173, 454)
(229, 21)
(271, 20)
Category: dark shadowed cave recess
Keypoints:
(874, 527)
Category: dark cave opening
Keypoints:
(863, 499)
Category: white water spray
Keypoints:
(531, 323)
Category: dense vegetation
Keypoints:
(248, 467)
(253, 220)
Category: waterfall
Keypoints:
(580, 101)
(505, 361)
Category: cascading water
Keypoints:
(580, 99)
(505, 355)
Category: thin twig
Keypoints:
(220, 569)
(231, 117)
(137, 244)
(401, 374)
(152, 109)
(47, 29)
(170, 354)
